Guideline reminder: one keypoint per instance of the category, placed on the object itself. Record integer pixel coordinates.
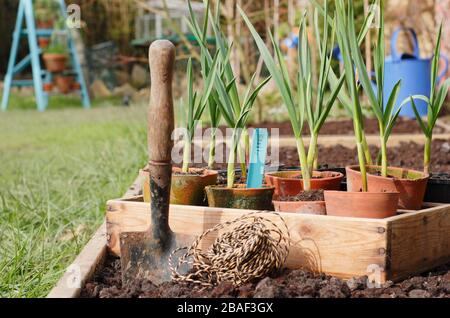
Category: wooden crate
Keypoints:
(387, 249)
(410, 243)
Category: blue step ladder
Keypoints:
(26, 27)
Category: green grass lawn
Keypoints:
(57, 170)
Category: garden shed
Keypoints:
(158, 19)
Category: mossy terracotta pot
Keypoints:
(186, 189)
(289, 183)
(302, 207)
(240, 197)
(372, 205)
(410, 184)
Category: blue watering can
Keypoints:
(414, 72)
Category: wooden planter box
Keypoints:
(406, 244)
(389, 249)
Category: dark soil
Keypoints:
(196, 172)
(106, 283)
(345, 127)
(309, 196)
(406, 155)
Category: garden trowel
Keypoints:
(145, 255)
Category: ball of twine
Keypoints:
(249, 247)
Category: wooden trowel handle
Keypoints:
(160, 144)
(160, 115)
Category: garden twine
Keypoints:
(250, 247)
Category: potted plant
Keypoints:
(410, 184)
(205, 62)
(438, 189)
(65, 81)
(188, 184)
(235, 110)
(46, 12)
(435, 104)
(290, 185)
(56, 54)
(359, 202)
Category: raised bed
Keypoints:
(388, 249)
(409, 243)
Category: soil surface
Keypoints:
(310, 196)
(192, 172)
(345, 127)
(106, 283)
(406, 155)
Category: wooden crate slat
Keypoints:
(340, 246)
(419, 242)
(83, 267)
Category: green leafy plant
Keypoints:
(386, 115)
(196, 105)
(344, 33)
(302, 106)
(205, 62)
(435, 103)
(225, 97)
(46, 10)
(333, 79)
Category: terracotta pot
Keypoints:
(186, 189)
(48, 87)
(410, 184)
(45, 24)
(372, 205)
(76, 86)
(302, 207)
(240, 197)
(289, 183)
(64, 83)
(43, 42)
(55, 62)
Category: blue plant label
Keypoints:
(257, 158)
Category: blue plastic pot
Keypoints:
(414, 72)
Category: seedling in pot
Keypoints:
(301, 105)
(359, 203)
(196, 105)
(386, 115)
(435, 103)
(235, 111)
(333, 79)
(409, 183)
(215, 103)
(188, 185)
(205, 62)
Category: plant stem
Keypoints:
(384, 163)
(186, 155)
(359, 133)
(362, 165)
(212, 149)
(230, 169)
(243, 152)
(231, 159)
(427, 155)
(304, 164)
(312, 153)
(366, 149)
